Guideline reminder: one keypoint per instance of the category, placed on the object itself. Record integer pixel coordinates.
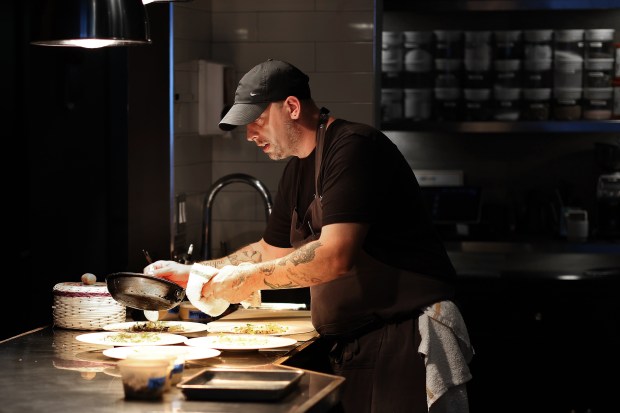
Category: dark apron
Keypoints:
(368, 321)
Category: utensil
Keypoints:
(144, 292)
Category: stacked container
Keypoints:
(568, 74)
(537, 77)
(448, 75)
(391, 76)
(418, 74)
(508, 58)
(598, 74)
(477, 77)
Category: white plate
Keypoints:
(240, 341)
(117, 338)
(188, 352)
(260, 327)
(174, 327)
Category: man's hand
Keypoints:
(169, 270)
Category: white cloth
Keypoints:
(200, 275)
(447, 352)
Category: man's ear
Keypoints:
(294, 107)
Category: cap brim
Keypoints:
(242, 114)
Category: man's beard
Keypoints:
(293, 137)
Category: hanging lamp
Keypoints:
(92, 23)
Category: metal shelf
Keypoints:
(499, 5)
(504, 127)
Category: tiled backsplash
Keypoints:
(332, 41)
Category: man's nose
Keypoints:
(250, 133)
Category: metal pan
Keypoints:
(144, 292)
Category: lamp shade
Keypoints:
(91, 23)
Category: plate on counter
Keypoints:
(272, 328)
(121, 338)
(240, 342)
(172, 327)
(187, 352)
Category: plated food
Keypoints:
(187, 352)
(274, 328)
(121, 338)
(173, 327)
(240, 341)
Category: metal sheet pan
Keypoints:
(240, 384)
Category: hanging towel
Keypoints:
(447, 352)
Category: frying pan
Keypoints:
(144, 292)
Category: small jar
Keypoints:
(538, 45)
(478, 75)
(477, 51)
(567, 103)
(568, 45)
(568, 74)
(508, 44)
(448, 104)
(537, 74)
(598, 73)
(448, 73)
(477, 104)
(448, 44)
(391, 59)
(599, 43)
(418, 104)
(536, 104)
(597, 103)
(507, 73)
(391, 105)
(507, 104)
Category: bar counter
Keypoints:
(48, 370)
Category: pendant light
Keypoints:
(92, 23)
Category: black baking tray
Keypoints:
(240, 384)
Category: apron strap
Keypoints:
(320, 140)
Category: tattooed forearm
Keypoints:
(303, 255)
(250, 256)
(281, 286)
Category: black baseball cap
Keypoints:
(270, 81)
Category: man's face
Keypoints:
(275, 132)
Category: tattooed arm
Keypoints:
(317, 262)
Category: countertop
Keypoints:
(48, 370)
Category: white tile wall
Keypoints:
(331, 40)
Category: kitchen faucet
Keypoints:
(208, 203)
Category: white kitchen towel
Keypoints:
(200, 275)
(447, 352)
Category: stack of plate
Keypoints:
(85, 307)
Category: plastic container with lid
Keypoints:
(508, 44)
(418, 104)
(448, 104)
(418, 51)
(598, 73)
(448, 44)
(599, 43)
(507, 73)
(477, 50)
(477, 104)
(538, 44)
(391, 104)
(568, 45)
(568, 74)
(507, 103)
(567, 103)
(597, 103)
(448, 73)
(391, 52)
(537, 74)
(536, 104)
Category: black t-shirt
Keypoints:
(365, 179)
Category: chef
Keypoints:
(349, 222)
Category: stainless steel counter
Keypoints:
(48, 370)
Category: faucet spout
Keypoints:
(213, 191)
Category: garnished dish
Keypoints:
(273, 328)
(240, 341)
(121, 338)
(174, 327)
(187, 352)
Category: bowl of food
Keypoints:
(144, 292)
